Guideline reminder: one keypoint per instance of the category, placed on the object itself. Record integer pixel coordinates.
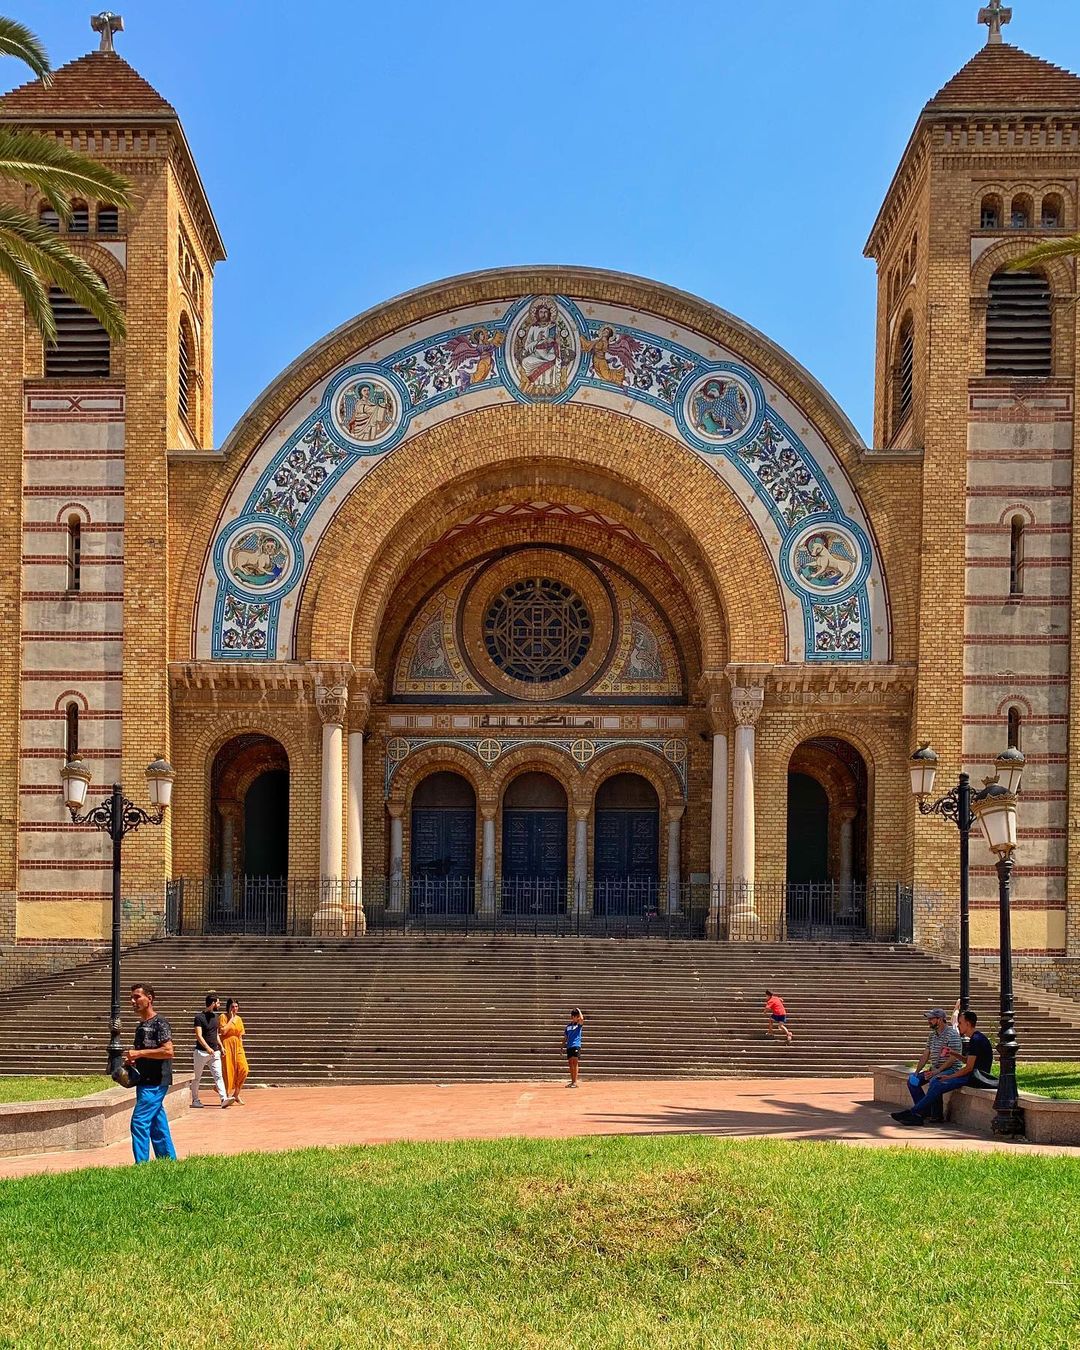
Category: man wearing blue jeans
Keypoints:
(152, 1058)
(973, 1070)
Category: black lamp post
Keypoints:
(957, 807)
(995, 810)
(116, 817)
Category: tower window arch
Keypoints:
(108, 220)
(1019, 330)
(1021, 213)
(1052, 214)
(74, 543)
(1014, 728)
(990, 213)
(71, 730)
(82, 345)
(48, 218)
(79, 221)
(1016, 555)
(904, 373)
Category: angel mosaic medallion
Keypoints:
(825, 559)
(258, 559)
(366, 410)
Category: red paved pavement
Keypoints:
(274, 1119)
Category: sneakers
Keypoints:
(196, 1106)
(571, 1084)
(226, 1103)
(907, 1118)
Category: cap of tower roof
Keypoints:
(1002, 76)
(100, 82)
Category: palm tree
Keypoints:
(32, 256)
(1052, 248)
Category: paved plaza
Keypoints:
(275, 1119)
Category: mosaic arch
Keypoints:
(555, 349)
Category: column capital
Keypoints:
(488, 810)
(675, 812)
(746, 705)
(363, 688)
(332, 701)
(395, 810)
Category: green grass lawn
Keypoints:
(620, 1242)
(33, 1089)
(1060, 1081)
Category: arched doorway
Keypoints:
(249, 789)
(826, 838)
(626, 855)
(534, 845)
(442, 855)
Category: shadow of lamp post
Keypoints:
(116, 817)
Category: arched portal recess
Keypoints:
(826, 837)
(249, 807)
(534, 845)
(442, 870)
(626, 857)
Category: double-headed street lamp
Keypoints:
(957, 807)
(994, 808)
(116, 817)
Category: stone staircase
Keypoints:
(438, 1009)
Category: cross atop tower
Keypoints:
(995, 17)
(107, 23)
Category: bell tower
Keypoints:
(976, 391)
(86, 563)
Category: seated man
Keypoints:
(943, 1048)
(973, 1070)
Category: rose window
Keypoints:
(537, 630)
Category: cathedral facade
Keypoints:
(548, 591)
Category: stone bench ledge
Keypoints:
(79, 1122)
(1045, 1121)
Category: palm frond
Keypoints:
(1052, 248)
(57, 171)
(18, 41)
(28, 284)
(54, 264)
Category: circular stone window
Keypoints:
(537, 630)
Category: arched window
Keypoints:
(108, 220)
(185, 387)
(903, 373)
(1016, 556)
(47, 217)
(1021, 214)
(74, 553)
(79, 223)
(990, 213)
(1053, 212)
(82, 345)
(71, 730)
(1014, 728)
(1018, 325)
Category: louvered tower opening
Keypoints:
(108, 220)
(904, 374)
(1018, 325)
(184, 375)
(80, 219)
(82, 345)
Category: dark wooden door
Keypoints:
(443, 859)
(626, 861)
(534, 861)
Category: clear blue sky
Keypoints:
(739, 151)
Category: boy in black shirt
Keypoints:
(208, 1051)
(974, 1070)
(151, 1059)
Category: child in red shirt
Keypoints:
(777, 1015)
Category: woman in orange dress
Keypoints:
(233, 1059)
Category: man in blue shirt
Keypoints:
(973, 1070)
(572, 1041)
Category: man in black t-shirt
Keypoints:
(150, 1062)
(207, 1052)
(974, 1070)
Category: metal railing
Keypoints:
(764, 912)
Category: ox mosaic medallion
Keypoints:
(546, 349)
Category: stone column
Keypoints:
(396, 899)
(354, 833)
(674, 861)
(581, 862)
(329, 918)
(487, 860)
(745, 709)
(847, 856)
(230, 819)
(718, 833)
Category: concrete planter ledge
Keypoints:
(1045, 1121)
(79, 1122)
